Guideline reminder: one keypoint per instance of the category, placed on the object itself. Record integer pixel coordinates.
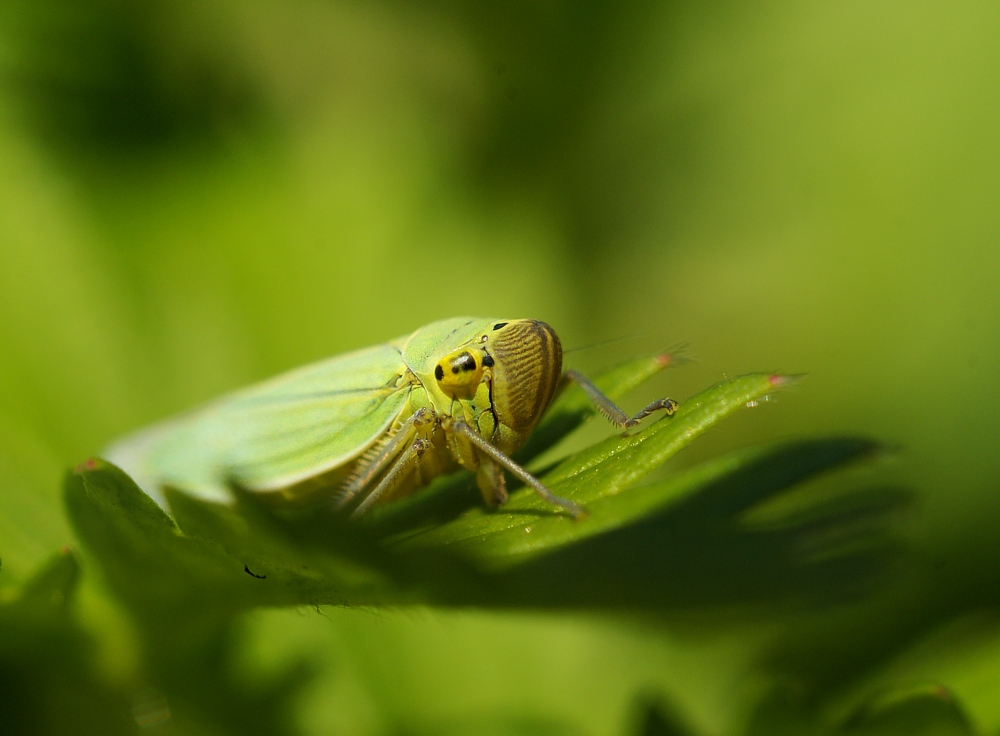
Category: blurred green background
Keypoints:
(197, 195)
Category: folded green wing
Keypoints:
(275, 434)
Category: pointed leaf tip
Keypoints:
(91, 463)
(781, 380)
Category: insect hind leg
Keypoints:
(396, 474)
(384, 456)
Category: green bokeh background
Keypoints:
(198, 195)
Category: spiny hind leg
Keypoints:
(611, 411)
(492, 484)
(400, 469)
(370, 467)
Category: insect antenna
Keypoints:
(603, 343)
(680, 353)
(676, 354)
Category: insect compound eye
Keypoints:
(526, 373)
(460, 373)
(488, 361)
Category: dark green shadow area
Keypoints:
(696, 551)
(49, 682)
(920, 710)
(683, 543)
(675, 544)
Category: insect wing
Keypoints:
(429, 344)
(275, 434)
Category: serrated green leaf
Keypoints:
(286, 572)
(157, 566)
(185, 593)
(651, 546)
(448, 497)
(718, 489)
(688, 546)
(573, 407)
(143, 553)
(605, 469)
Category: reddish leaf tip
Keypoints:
(941, 692)
(88, 464)
(779, 380)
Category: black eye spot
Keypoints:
(488, 361)
(456, 368)
(498, 325)
(439, 372)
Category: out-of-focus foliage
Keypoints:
(49, 681)
(629, 553)
(196, 195)
(645, 549)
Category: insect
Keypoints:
(375, 424)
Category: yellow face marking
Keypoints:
(460, 372)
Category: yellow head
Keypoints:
(520, 360)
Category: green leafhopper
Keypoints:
(375, 424)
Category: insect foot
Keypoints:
(668, 406)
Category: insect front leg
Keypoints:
(461, 428)
(369, 468)
(492, 484)
(611, 411)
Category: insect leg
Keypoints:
(493, 486)
(396, 473)
(385, 455)
(611, 411)
(460, 427)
